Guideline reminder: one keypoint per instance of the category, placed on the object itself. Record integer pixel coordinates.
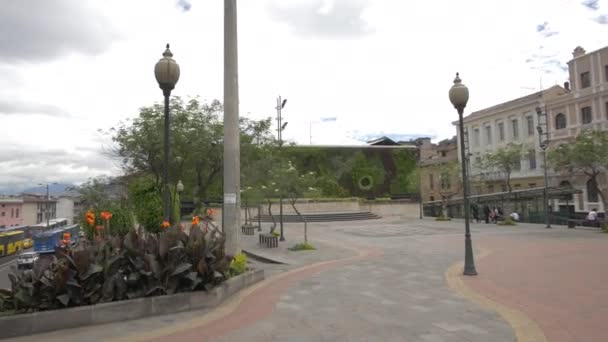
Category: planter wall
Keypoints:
(45, 321)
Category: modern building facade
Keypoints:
(36, 208)
(65, 208)
(11, 212)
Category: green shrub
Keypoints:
(442, 218)
(302, 247)
(507, 222)
(277, 234)
(238, 264)
(605, 227)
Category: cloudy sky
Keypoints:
(380, 67)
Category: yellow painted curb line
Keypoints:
(526, 330)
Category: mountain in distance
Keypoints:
(54, 189)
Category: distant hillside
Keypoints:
(54, 189)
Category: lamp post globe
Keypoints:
(167, 72)
(459, 96)
(180, 186)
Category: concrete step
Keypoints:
(323, 217)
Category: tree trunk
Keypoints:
(274, 222)
(509, 181)
(293, 205)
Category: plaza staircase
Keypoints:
(323, 217)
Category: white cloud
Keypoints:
(387, 69)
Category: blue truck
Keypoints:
(47, 241)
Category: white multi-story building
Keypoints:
(581, 104)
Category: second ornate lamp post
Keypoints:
(167, 75)
(459, 96)
(543, 142)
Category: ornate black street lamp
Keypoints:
(543, 142)
(459, 96)
(167, 75)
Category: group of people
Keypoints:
(490, 215)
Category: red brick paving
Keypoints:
(562, 284)
(259, 304)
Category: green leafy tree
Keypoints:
(405, 166)
(147, 204)
(505, 160)
(586, 155)
(292, 185)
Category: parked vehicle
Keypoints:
(26, 260)
(11, 242)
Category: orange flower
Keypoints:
(210, 212)
(166, 224)
(90, 218)
(105, 215)
(195, 220)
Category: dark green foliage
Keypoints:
(302, 247)
(147, 204)
(120, 268)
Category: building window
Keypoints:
(586, 115)
(431, 181)
(432, 198)
(605, 73)
(489, 135)
(3, 214)
(592, 195)
(17, 213)
(560, 121)
(501, 131)
(478, 161)
(517, 165)
(530, 124)
(490, 189)
(532, 185)
(443, 153)
(532, 159)
(585, 80)
(476, 137)
(515, 127)
(12, 212)
(606, 105)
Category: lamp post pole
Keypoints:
(48, 211)
(280, 127)
(167, 73)
(544, 143)
(231, 212)
(459, 96)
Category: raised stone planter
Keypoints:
(45, 321)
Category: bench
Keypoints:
(572, 223)
(248, 229)
(269, 240)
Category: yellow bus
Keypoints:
(11, 242)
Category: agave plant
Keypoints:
(115, 268)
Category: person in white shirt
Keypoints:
(592, 216)
(515, 216)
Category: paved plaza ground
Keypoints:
(398, 279)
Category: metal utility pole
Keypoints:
(232, 164)
(543, 142)
(48, 212)
(280, 128)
